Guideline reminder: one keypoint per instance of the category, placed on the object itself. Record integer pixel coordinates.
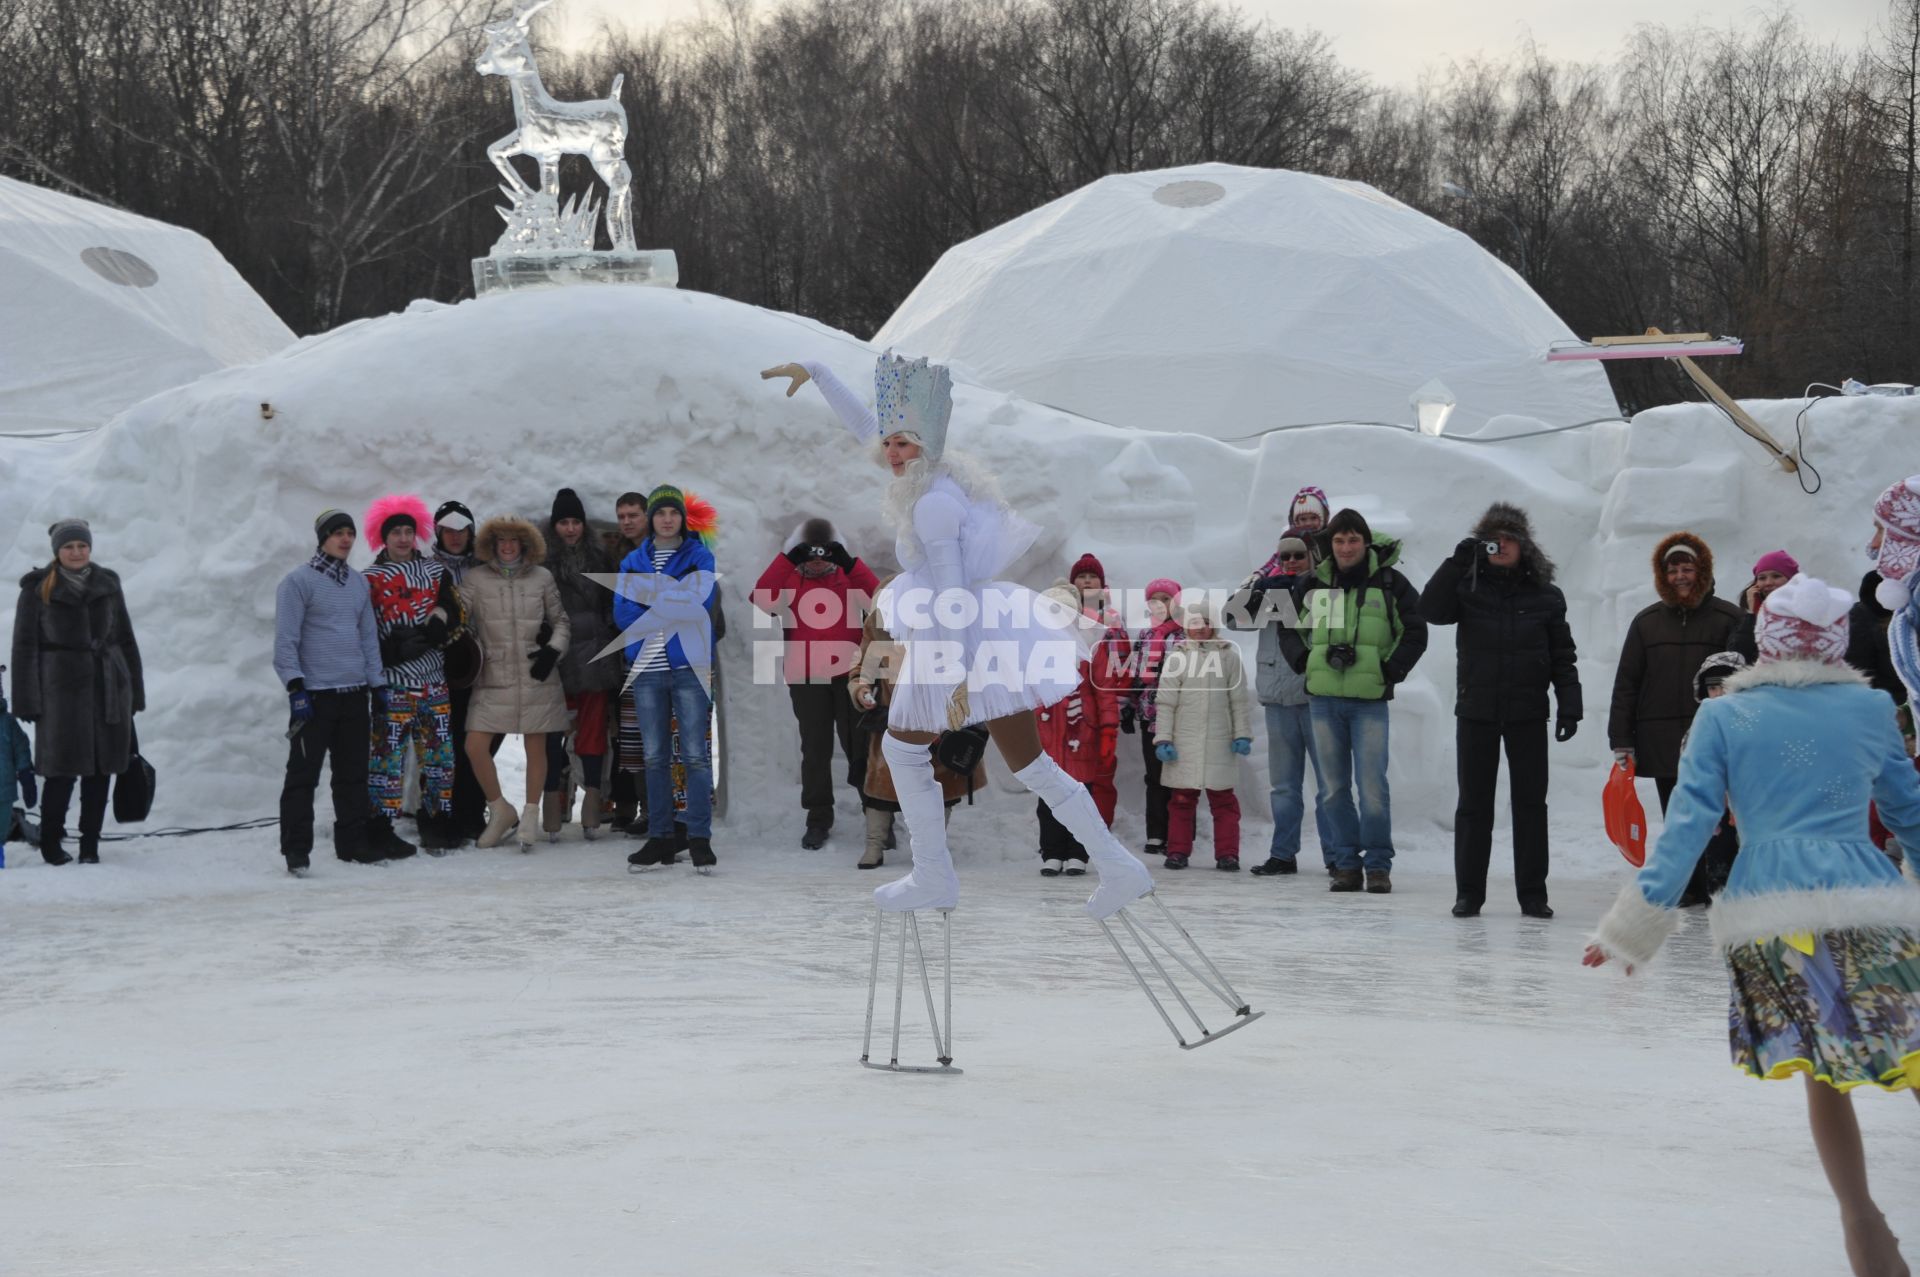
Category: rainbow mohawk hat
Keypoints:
(912, 396)
(703, 521)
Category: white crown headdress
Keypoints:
(914, 396)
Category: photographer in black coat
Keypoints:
(1512, 645)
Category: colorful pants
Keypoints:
(424, 717)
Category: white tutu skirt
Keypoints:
(1025, 651)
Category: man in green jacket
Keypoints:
(1359, 634)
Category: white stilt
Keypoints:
(1144, 938)
(942, 1025)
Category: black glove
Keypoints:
(838, 556)
(544, 659)
(799, 554)
(436, 628)
(1464, 552)
(403, 645)
(545, 634)
(1126, 719)
(1565, 728)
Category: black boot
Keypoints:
(55, 793)
(818, 823)
(438, 835)
(656, 851)
(89, 849)
(701, 853)
(50, 849)
(93, 817)
(1466, 907)
(383, 843)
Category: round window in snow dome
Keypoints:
(1190, 194)
(119, 267)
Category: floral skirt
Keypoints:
(1841, 1005)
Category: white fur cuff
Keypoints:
(1633, 930)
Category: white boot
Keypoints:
(529, 822)
(932, 884)
(500, 821)
(1123, 878)
(590, 814)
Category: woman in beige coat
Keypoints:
(1201, 730)
(514, 610)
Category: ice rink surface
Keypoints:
(497, 1063)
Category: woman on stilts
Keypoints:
(1820, 933)
(963, 627)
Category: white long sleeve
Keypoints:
(936, 522)
(851, 408)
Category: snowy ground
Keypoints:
(496, 1063)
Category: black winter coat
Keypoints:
(589, 606)
(1653, 701)
(1513, 643)
(76, 674)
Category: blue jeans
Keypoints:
(1350, 738)
(659, 697)
(1290, 748)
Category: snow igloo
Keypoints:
(1229, 301)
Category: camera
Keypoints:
(1341, 656)
(1491, 547)
(817, 551)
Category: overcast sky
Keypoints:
(1394, 40)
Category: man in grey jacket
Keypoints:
(1283, 695)
(326, 651)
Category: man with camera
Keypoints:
(1360, 633)
(821, 593)
(1512, 645)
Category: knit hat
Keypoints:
(1087, 563)
(330, 522)
(1777, 561)
(702, 521)
(1163, 585)
(396, 510)
(452, 514)
(1292, 545)
(566, 505)
(66, 530)
(1714, 670)
(1805, 619)
(1898, 514)
(913, 397)
(1308, 498)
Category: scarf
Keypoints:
(326, 565)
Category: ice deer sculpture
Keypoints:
(547, 130)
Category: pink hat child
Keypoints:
(1898, 514)
(1777, 561)
(1804, 620)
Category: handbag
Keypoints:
(960, 752)
(133, 788)
(1626, 818)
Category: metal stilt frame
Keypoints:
(942, 1036)
(1144, 937)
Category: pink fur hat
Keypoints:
(396, 509)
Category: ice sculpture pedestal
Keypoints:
(656, 267)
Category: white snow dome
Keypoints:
(101, 308)
(1228, 301)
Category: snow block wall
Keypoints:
(202, 504)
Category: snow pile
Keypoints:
(1227, 301)
(102, 308)
(202, 504)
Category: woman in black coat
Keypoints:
(77, 679)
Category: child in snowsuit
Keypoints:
(16, 769)
(1149, 646)
(1202, 729)
(1079, 733)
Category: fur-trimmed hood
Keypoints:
(533, 545)
(1513, 521)
(1701, 555)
